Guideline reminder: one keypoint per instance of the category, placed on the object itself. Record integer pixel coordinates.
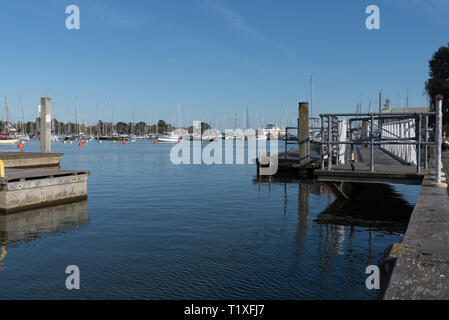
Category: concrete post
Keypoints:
(304, 135)
(438, 137)
(45, 125)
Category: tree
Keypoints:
(438, 82)
(141, 127)
(162, 127)
(204, 126)
(122, 127)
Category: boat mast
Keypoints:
(7, 121)
(311, 97)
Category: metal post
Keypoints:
(379, 122)
(418, 146)
(372, 144)
(329, 147)
(322, 143)
(337, 147)
(438, 137)
(350, 136)
(426, 148)
(409, 147)
(45, 125)
(285, 141)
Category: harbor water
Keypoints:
(154, 230)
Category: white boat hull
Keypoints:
(7, 142)
(168, 140)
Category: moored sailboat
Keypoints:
(5, 137)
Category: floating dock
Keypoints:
(386, 149)
(34, 180)
(24, 189)
(388, 170)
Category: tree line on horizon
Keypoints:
(100, 128)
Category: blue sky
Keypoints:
(215, 57)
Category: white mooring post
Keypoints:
(438, 137)
(45, 125)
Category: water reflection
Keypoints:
(376, 206)
(372, 212)
(29, 225)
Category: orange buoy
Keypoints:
(20, 146)
(156, 142)
(81, 144)
(125, 143)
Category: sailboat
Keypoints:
(176, 135)
(169, 137)
(5, 138)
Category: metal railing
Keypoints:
(292, 139)
(403, 135)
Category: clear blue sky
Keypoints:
(215, 57)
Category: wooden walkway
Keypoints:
(21, 159)
(387, 170)
(23, 155)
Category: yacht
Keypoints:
(169, 137)
(272, 131)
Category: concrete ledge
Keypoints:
(27, 191)
(421, 261)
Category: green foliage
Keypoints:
(438, 82)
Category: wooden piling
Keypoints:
(45, 125)
(303, 135)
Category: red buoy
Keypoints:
(20, 146)
(81, 144)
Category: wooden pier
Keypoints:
(387, 170)
(389, 149)
(30, 180)
(24, 189)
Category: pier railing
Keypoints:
(404, 136)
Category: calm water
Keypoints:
(154, 230)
